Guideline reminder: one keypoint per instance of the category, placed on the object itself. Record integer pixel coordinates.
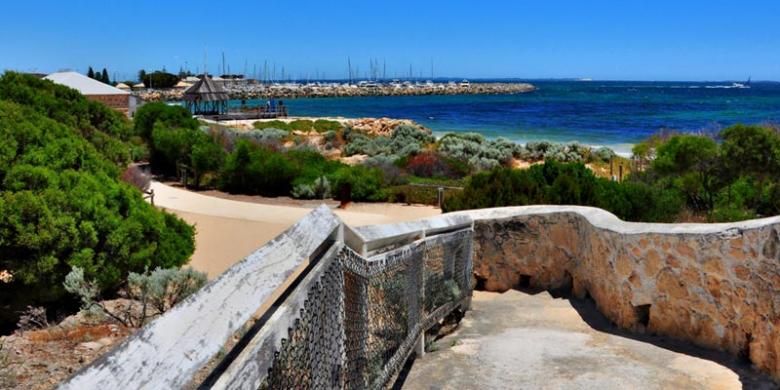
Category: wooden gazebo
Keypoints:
(206, 97)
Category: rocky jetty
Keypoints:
(292, 90)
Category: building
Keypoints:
(94, 90)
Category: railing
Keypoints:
(351, 306)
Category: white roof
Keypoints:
(84, 84)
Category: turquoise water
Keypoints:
(615, 113)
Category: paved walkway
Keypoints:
(520, 341)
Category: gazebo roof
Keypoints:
(205, 90)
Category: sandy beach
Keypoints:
(227, 230)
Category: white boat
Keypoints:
(368, 84)
(465, 83)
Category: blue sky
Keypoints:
(630, 39)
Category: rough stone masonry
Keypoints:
(716, 285)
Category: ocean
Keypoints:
(616, 114)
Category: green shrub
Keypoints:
(358, 183)
(323, 125)
(751, 150)
(274, 124)
(62, 205)
(103, 127)
(150, 115)
(252, 169)
(320, 188)
(405, 140)
(603, 154)
(150, 294)
(478, 152)
(636, 201)
(301, 125)
(565, 184)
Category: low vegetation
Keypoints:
(147, 295)
(69, 199)
(63, 205)
(684, 177)
(676, 177)
(565, 184)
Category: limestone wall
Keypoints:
(717, 285)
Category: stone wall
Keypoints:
(716, 285)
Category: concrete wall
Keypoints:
(716, 285)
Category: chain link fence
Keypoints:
(361, 319)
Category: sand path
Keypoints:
(228, 230)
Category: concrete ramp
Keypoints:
(520, 341)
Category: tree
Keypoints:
(160, 79)
(141, 76)
(692, 164)
(104, 77)
(751, 150)
(90, 73)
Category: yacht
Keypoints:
(741, 85)
(465, 83)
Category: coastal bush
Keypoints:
(206, 156)
(404, 141)
(324, 125)
(305, 125)
(535, 151)
(149, 294)
(565, 184)
(732, 180)
(274, 124)
(270, 136)
(160, 114)
(104, 128)
(392, 174)
(432, 164)
(478, 152)
(301, 125)
(254, 169)
(636, 201)
(62, 204)
(690, 164)
(320, 188)
(566, 152)
(358, 183)
(358, 143)
(751, 150)
(603, 154)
